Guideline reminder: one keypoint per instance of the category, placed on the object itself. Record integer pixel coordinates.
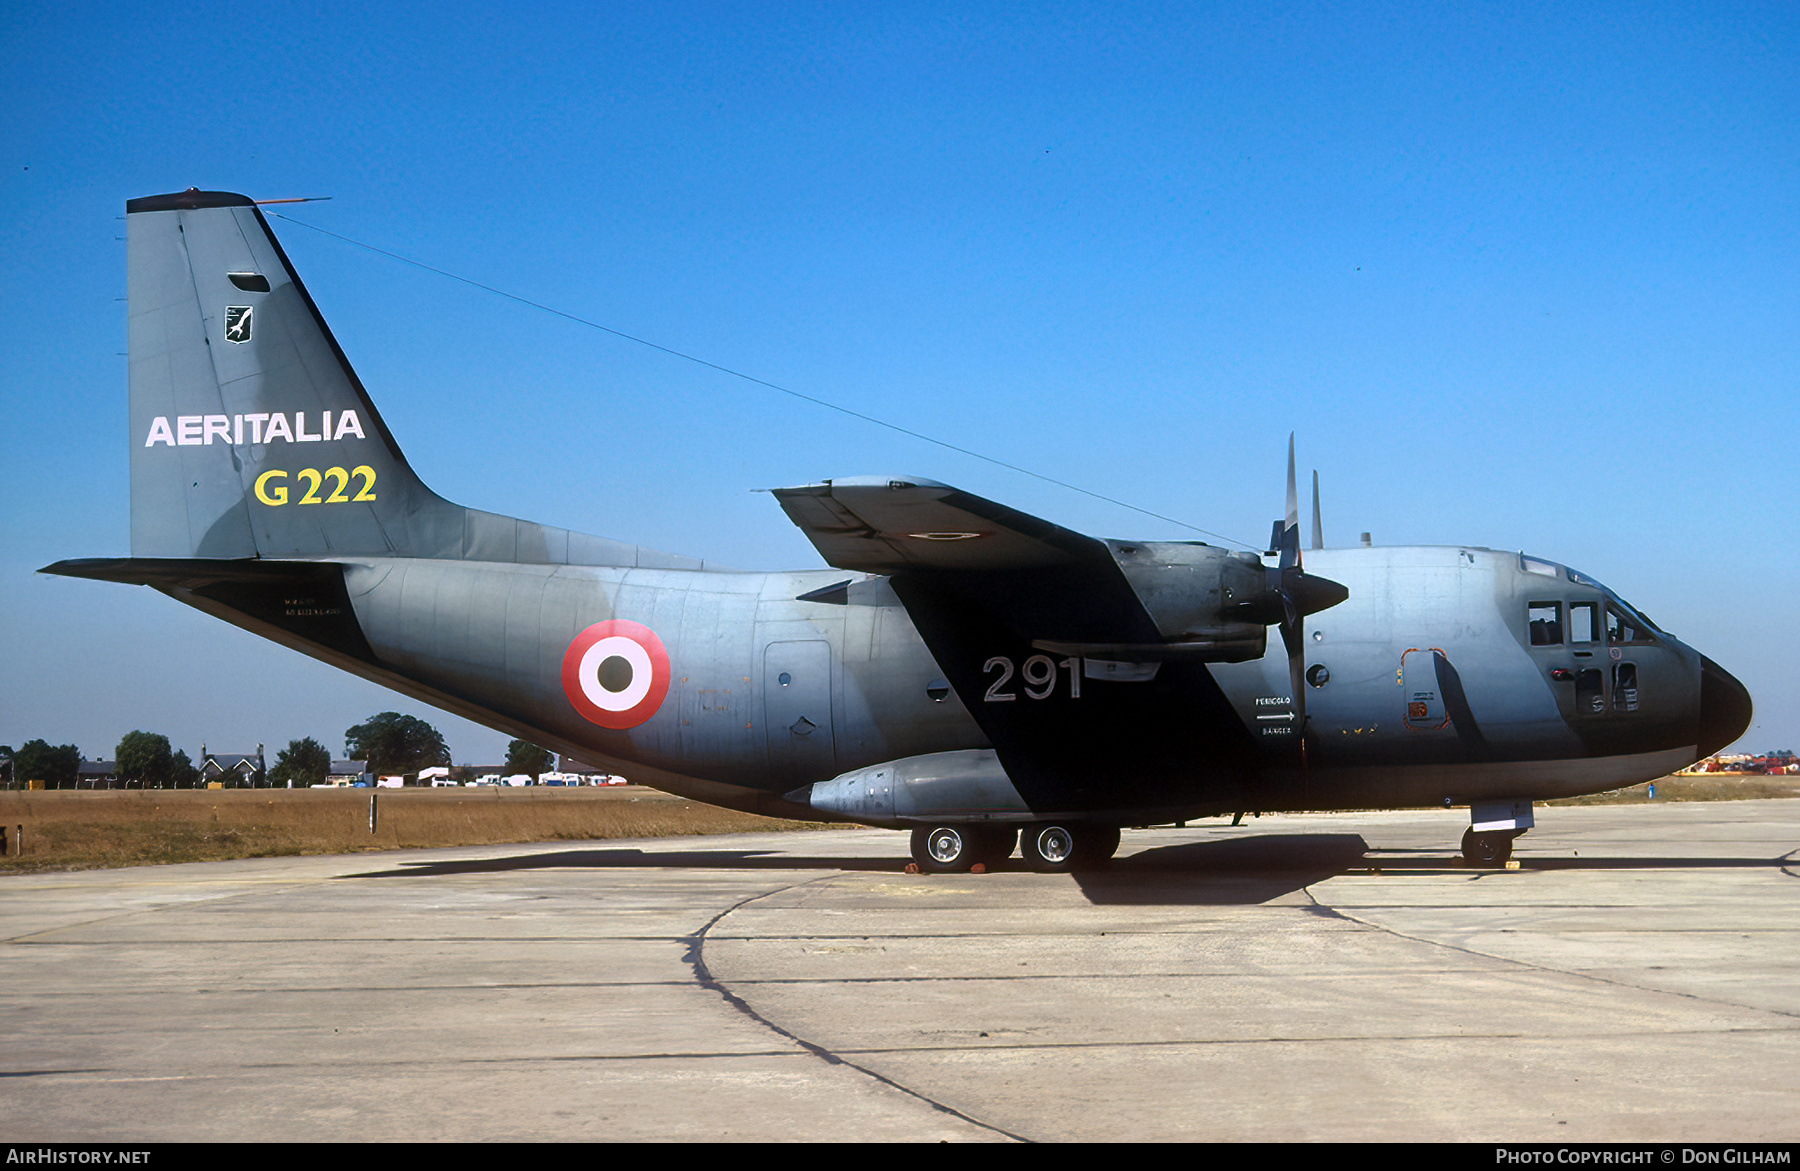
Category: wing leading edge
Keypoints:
(1039, 579)
(878, 525)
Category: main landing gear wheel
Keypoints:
(951, 849)
(1054, 847)
(1489, 849)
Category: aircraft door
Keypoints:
(1420, 688)
(796, 683)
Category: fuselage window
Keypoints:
(1546, 623)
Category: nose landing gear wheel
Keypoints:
(1489, 849)
(1059, 847)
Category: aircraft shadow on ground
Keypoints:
(1245, 870)
(1263, 867)
(1255, 868)
(635, 858)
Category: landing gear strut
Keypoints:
(1494, 824)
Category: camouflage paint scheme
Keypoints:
(963, 663)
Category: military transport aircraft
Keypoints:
(985, 678)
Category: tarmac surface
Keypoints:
(1329, 977)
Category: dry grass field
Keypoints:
(72, 830)
(1709, 787)
(66, 830)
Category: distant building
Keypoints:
(233, 770)
(97, 774)
(349, 772)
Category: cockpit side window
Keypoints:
(1623, 629)
(1583, 626)
(1546, 623)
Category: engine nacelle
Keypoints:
(1206, 602)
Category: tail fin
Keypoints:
(251, 436)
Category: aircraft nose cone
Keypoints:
(1724, 707)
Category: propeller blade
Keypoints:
(1290, 532)
(1318, 541)
(1293, 639)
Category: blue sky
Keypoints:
(1518, 276)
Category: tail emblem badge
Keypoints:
(237, 323)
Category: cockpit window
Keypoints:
(1533, 565)
(1584, 625)
(1546, 623)
(1624, 628)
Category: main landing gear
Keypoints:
(951, 849)
(1487, 849)
(1493, 825)
(1048, 847)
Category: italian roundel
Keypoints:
(616, 673)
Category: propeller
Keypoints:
(1297, 592)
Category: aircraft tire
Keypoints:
(1052, 847)
(1486, 850)
(945, 848)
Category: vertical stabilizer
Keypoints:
(250, 434)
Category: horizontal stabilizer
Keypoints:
(184, 572)
(300, 603)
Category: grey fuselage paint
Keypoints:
(486, 639)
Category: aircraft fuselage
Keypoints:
(1429, 688)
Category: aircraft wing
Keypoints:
(879, 525)
(1015, 610)
(945, 548)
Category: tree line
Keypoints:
(388, 743)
